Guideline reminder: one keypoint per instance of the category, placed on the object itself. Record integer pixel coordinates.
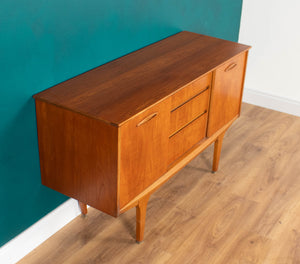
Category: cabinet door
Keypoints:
(143, 151)
(226, 93)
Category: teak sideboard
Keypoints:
(111, 136)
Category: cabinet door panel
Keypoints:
(143, 151)
(226, 93)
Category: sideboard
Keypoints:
(113, 135)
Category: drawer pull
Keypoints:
(148, 118)
(207, 87)
(230, 67)
(187, 124)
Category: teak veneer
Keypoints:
(111, 136)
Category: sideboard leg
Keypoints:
(83, 208)
(141, 209)
(217, 152)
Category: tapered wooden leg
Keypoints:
(141, 218)
(217, 152)
(83, 208)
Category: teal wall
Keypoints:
(44, 42)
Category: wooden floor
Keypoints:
(247, 212)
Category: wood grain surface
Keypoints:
(188, 111)
(78, 156)
(187, 137)
(247, 212)
(191, 90)
(126, 86)
(143, 151)
(226, 94)
(217, 152)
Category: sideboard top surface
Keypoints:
(122, 88)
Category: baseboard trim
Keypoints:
(272, 102)
(21, 245)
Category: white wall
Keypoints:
(272, 28)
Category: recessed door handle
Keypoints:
(146, 119)
(230, 67)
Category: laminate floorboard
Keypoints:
(247, 212)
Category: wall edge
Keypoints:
(270, 101)
(18, 247)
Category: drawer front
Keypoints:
(226, 93)
(186, 138)
(191, 90)
(143, 151)
(188, 111)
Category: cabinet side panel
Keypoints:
(78, 156)
(226, 93)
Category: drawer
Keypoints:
(191, 90)
(187, 137)
(188, 111)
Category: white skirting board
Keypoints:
(272, 102)
(21, 245)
